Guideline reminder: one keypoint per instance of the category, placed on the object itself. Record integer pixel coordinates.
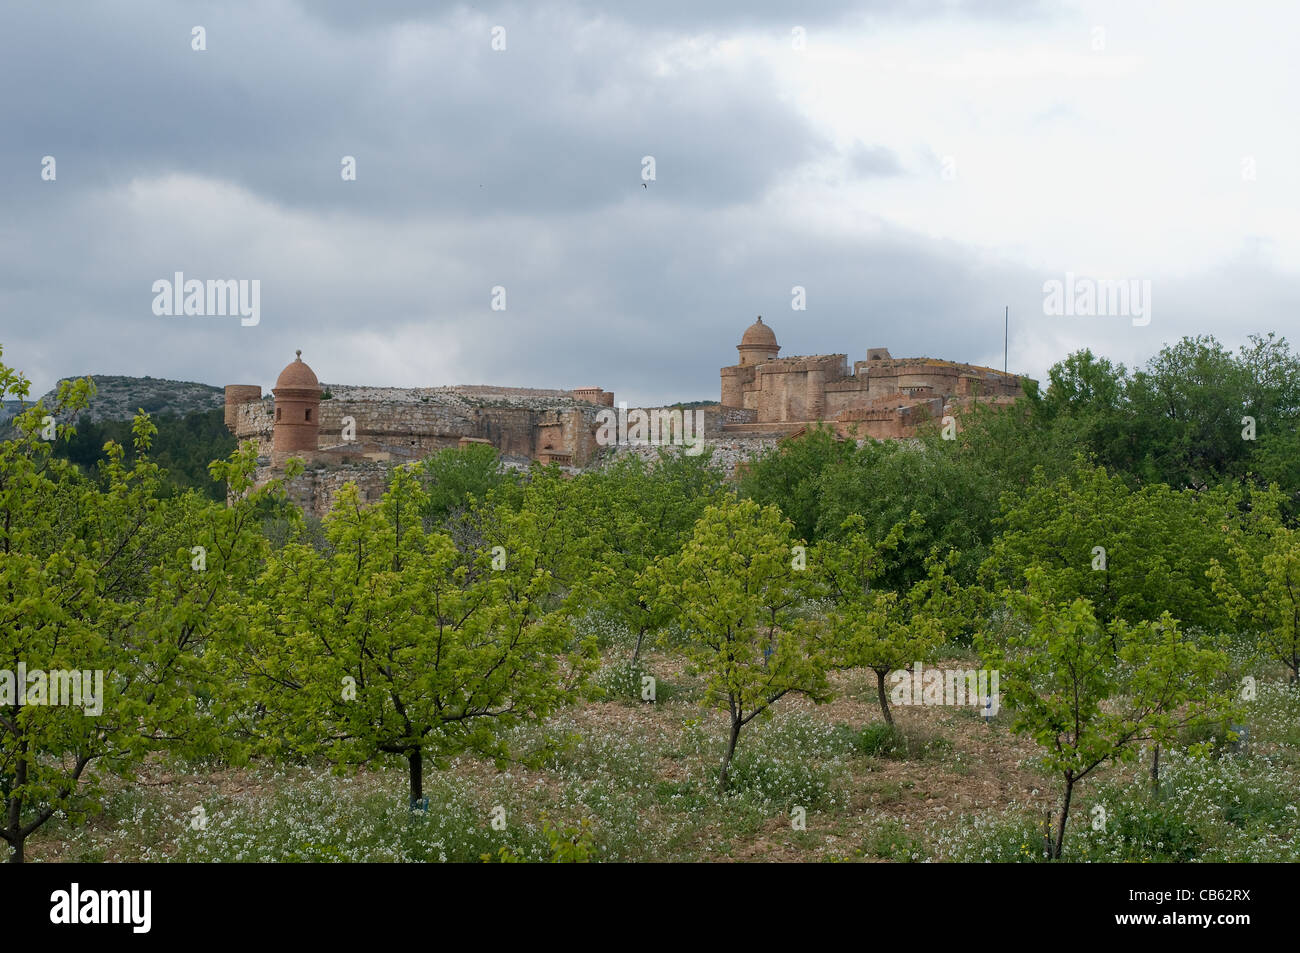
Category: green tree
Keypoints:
(1260, 586)
(1003, 444)
(1186, 407)
(640, 511)
(873, 627)
(182, 447)
(1087, 704)
(789, 476)
(107, 579)
(1086, 408)
(1132, 554)
(736, 591)
(454, 478)
(393, 642)
(885, 483)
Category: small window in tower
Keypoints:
(308, 415)
(277, 412)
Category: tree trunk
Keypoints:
(1155, 771)
(636, 652)
(731, 750)
(884, 697)
(1065, 814)
(15, 819)
(416, 759)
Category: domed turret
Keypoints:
(297, 409)
(758, 344)
(298, 376)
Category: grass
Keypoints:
(615, 777)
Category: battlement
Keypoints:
(880, 390)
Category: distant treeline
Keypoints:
(183, 447)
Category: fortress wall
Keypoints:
(735, 381)
(254, 421)
(839, 400)
(394, 419)
(489, 390)
(772, 399)
(236, 395)
(409, 424)
(314, 490)
(728, 454)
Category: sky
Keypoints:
(914, 168)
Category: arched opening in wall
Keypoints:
(277, 412)
(308, 417)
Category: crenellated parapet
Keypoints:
(893, 395)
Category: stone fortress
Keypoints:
(357, 434)
(883, 397)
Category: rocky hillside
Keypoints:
(118, 398)
(10, 407)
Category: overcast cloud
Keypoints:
(914, 167)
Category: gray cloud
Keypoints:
(478, 169)
(438, 122)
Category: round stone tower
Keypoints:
(237, 395)
(297, 409)
(758, 344)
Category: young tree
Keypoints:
(873, 627)
(885, 483)
(1185, 408)
(1084, 703)
(393, 642)
(101, 583)
(1260, 586)
(789, 476)
(736, 590)
(638, 512)
(454, 478)
(1132, 554)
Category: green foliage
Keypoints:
(572, 845)
(110, 580)
(637, 512)
(183, 447)
(393, 642)
(735, 588)
(1263, 593)
(455, 478)
(790, 477)
(891, 841)
(881, 740)
(891, 743)
(1089, 693)
(955, 498)
(873, 627)
(1179, 420)
(1132, 554)
(624, 680)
